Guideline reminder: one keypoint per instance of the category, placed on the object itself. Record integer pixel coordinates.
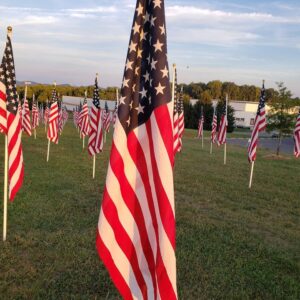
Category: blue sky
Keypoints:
(241, 41)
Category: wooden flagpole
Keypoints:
(251, 174)
(5, 194)
(225, 146)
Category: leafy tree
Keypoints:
(215, 88)
(280, 116)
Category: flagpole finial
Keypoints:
(9, 30)
(54, 83)
(174, 65)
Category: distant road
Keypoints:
(287, 145)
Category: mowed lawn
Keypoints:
(232, 243)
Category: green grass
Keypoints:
(232, 243)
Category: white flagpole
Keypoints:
(251, 175)
(5, 190)
(94, 165)
(48, 150)
(225, 146)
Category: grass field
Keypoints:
(232, 243)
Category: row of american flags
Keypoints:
(136, 229)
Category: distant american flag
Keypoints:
(35, 113)
(214, 128)
(175, 114)
(10, 120)
(106, 118)
(136, 229)
(223, 126)
(46, 112)
(84, 119)
(297, 137)
(95, 144)
(52, 133)
(26, 118)
(259, 125)
(180, 118)
(201, 124)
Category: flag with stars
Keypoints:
(26, 124)
(260, 124)
(222, 134)
(35, 113)
(136, 228)
(297, 137)
(95, 144)
(180, 119)
(52, 132)
(10, 120)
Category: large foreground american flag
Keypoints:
(10, 120)
(259, 125)
(297, 137)
(136, 229)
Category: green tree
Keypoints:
(215, 88)
(281, 116)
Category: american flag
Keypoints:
(175, 114)
(201, 124)
(84, 119)
(136, 229)
(259, 125)
(95, 144)
(223, 126)
(26, 124)
(35, 113)
(52, 133)
(41, 113)
(214, 127)
(115, 115)
(106, 118)
(10, 120)
(180, 119)
(46, 112)
(297, 137)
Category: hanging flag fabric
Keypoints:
(26, 118)
(180, 119)
(35, 113)
(175, 114)
(200, 125)
(260, 124)
(10, 120)
(136, 229)
(214, 128)
(95, 144)
(106, 118)
(84, 119)
(297, 137)
(223, 126)
(52, 133)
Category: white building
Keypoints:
(244, 112)
(71, 102)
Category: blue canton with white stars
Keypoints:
(262, 100)
(96, 99)
(146, 83)
(8, 78)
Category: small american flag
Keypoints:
(26, 118)
(136, 229)
(175, 114)
(106, 118)
(223, 126)
(259, 125)
(297, 137)
(84, 118)
(201, 124)
(180, 118)
(10, 120)
(214, 127)
(46, 113)
(35, 113)
(52, 133)
(95, 144)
